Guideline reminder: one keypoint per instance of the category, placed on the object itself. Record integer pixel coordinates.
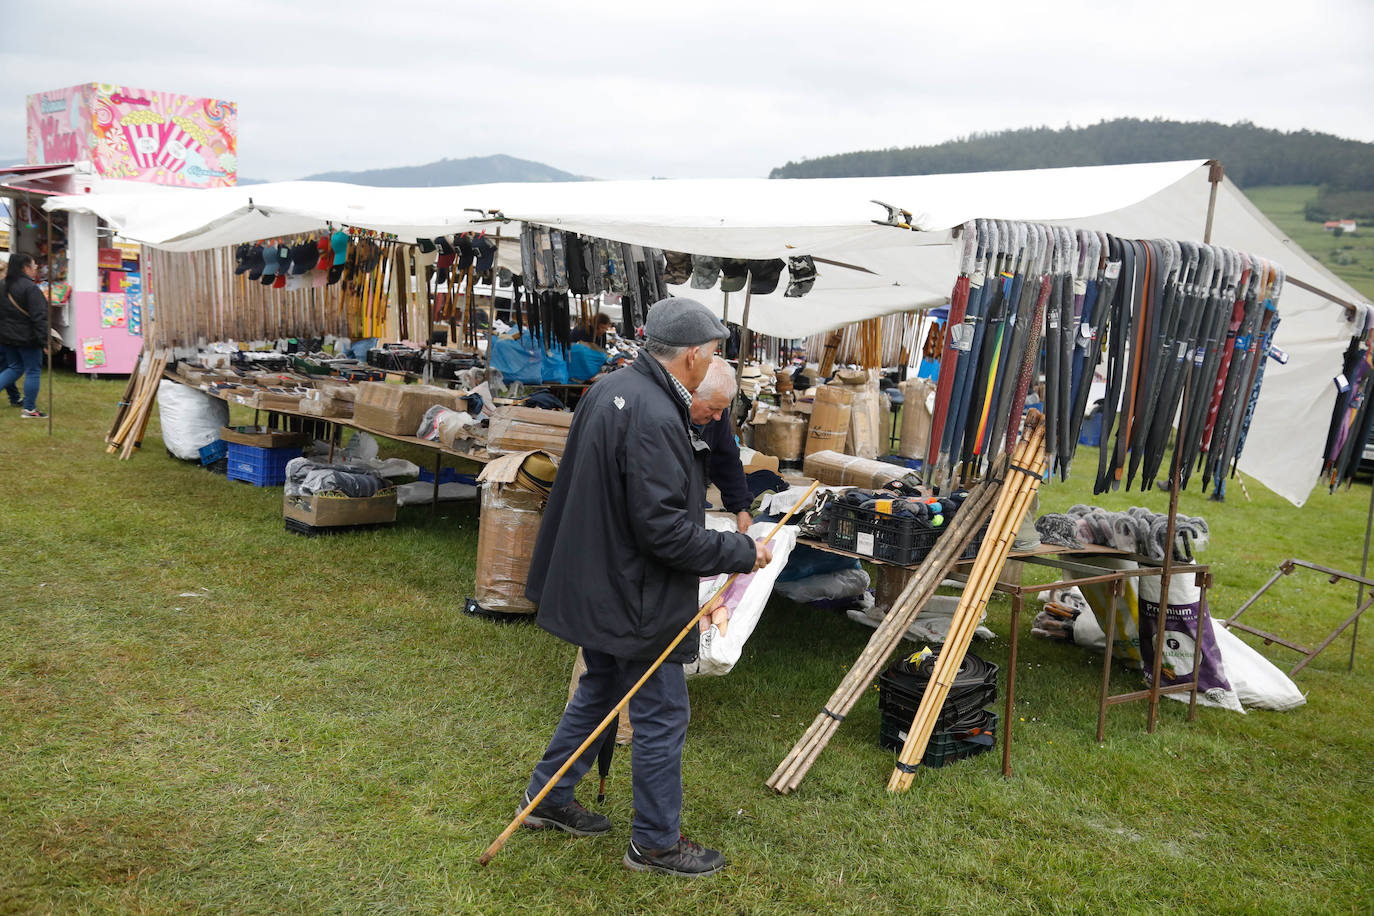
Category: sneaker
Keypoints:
(16, 403)
(33, 414)
(686, 859)
(572, 818)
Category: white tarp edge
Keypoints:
(832, 218)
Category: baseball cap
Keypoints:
(339, 242)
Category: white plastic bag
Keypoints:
(190, 418)
(719, 652)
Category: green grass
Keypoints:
(323, 730)
(1350, 257)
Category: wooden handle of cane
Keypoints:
(614, 714)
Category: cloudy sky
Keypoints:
(702, 89)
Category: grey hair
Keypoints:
(720, 380)
(664, 353)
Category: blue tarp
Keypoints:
(524, 360)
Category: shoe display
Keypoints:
(33, 415)
(686, 859)
(572, 818)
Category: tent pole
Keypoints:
(1214, 176)
(47, 344)
(1350, 308)
(744, 327)
(1364, 569)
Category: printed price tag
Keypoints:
(1113, 270)
(863, 543)
(1080, 287)
(979, 276)
(961, 337)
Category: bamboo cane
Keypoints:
(614, 714)
(888, 634)
(129, 390)
(1029, 462)
(130, 413)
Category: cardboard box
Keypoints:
(757, 461)
(323, 405)
(829, 428)
(330, 510)
(836, 470)
(510, 521)
(916, 417)
(396, 410)
(274, 400)
(262, 437)
(520, 429)
(867, 427)
(786, 436)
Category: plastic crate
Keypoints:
(262, 467)
(944, 747)
(213, 452)
(902, 541)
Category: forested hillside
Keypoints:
(1252, 156)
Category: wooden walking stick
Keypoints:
(614, 714)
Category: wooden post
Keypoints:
(1214, 176)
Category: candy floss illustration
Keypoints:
(144, 130)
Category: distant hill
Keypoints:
(448, 172)
(1252, 156)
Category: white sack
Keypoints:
(190, 418)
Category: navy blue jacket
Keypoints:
(623, 543)
(724, 469)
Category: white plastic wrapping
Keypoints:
(191, 419)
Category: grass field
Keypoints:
(1350, 257)
(200, 712)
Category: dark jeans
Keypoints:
(26, 362)
(659, 713)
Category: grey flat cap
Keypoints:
(682, 322)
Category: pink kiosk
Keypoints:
(96, 138)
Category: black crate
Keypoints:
(903, 541)
(944, 747)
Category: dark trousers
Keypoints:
(21, 362)
(659, 713)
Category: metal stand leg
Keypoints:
(438, 464)
(1114, 590)
(1010, 707)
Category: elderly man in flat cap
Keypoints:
(615, 571)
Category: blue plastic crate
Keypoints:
(262, 467)
(213, 452)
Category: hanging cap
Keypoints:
(339, 242)
(255, 262)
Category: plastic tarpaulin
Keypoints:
(864, 270)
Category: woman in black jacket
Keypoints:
(23, 332)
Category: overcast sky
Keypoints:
(644, 89)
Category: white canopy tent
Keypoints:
(888, 269)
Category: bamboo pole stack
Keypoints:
(1026, 470)
(889, 633)
(127, 434)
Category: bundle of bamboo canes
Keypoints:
(126, 434)
(1026, 470)
(888, 635)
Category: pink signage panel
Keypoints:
(137, 134)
